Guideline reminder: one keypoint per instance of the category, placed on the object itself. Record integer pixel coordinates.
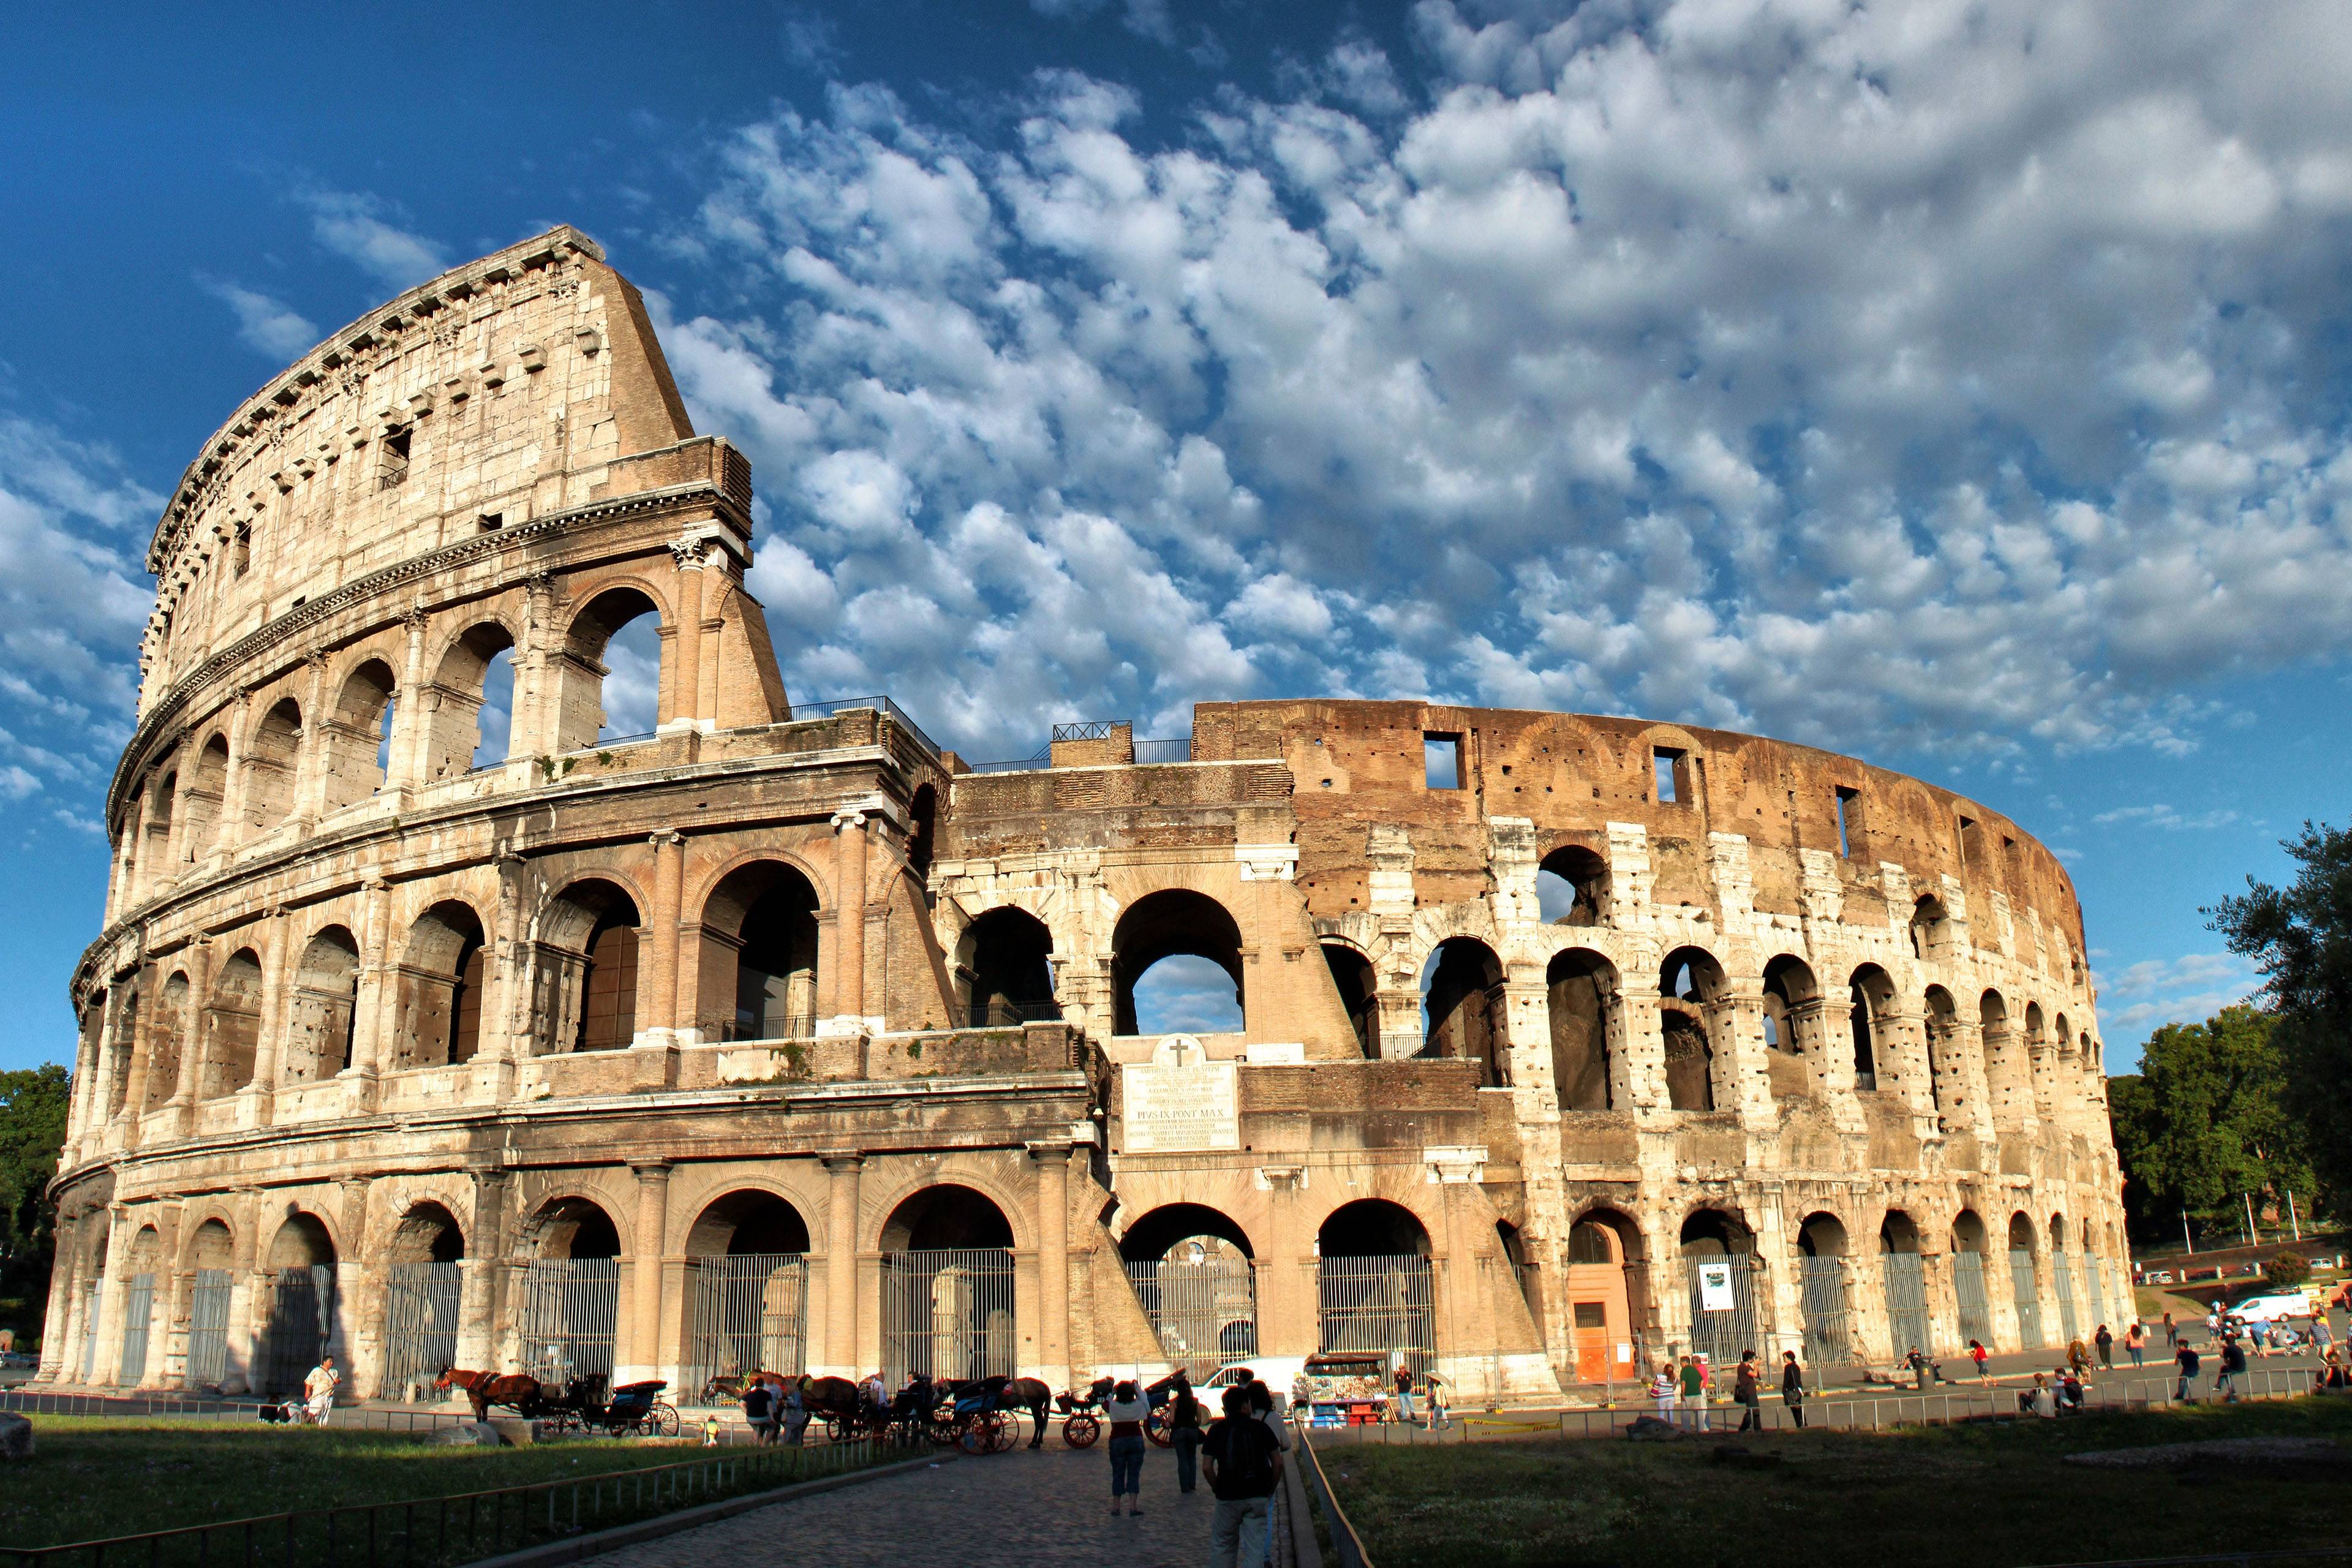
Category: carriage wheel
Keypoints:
(662, 1420)
(1160, 1428)
(1081, 1430)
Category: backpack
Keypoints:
(1248, 1466)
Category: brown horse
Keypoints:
(515, 1391)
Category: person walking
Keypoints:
(1982, 1360)
(319, 1390)
(1662, 1389)
(2135, 1342)
(1745, 1393)
(1185, 1432)
(2106, 1341)
(2185, 1360)
(1125, 1411)
(1243, 1466)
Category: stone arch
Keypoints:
(1870, 1004)
(165, 1042)
(1005, 969)
(232, 1029)
(357, 735)
(476, 666)
(273, 765)
(1692, 992)
(1462, 1007)
(585, 701)
(758, 948)
(1174, 923)
(1581, 989)
(1353, 977)
(584, 983)
(206, 791)
(326, 984)
(1796, 1027)
(442, 975)
(1572, 887)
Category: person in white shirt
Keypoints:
(318, 1389)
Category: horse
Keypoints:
(516, 1391)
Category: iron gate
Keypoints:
(301, 1326)
(570, 1308)
(948, 1311)
(208, 1329)
(1385, 1302)
(1203, 1311)
(1723, 1333)
(2061, 1265)
(138, 1320)
(420, 1322)
(1976, 1307)
(1829, 1335)
(89, 1299)
(2029, 1304)
(750, 1314)
(1907, 1321)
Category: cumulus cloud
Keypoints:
(271, 328)
(362, 229)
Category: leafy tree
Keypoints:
(2206, 1119)
(2300, 938)
(33, 1104)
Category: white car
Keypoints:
(2272, 1308)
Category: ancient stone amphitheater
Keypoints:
(779, 1036)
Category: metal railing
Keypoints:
(432, 1532)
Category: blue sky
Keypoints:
(1962, 386)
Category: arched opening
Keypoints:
(1793, 1026)
(1969, 1283)
(1572, 887)
(210, 1252)
(1904, 1271)
(1462, 1007)
(1719, 1266)
(1005, 969)
(1947, 1081)
(232, 1031)
(759, 955)
(1605, 1296)
(469, 707)
(571, 1291)
(2022, 1284)
(585, 986)
(2007, 1079)
(1580, 1000)
(207, 789)
(1871, 998)
(1191, 1271)
(163, 1043)
(422, 1285)
(610, 672)
(947, 1287)
(1359, 989)
(440, 988)
(302, 1305)
(319, 1042)
(1821, 1281)
(922, 831)
(1690, 1000)
(1374, 1293)
(272, 757)
(1194, 940)
(358, 752)
(1931, 930)
(139, 1266)
(2061, 1277)
(747, 1281)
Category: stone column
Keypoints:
(662, 986)
(848, 1015)
(1052, 1160)
(685, 663)
(840, 1349)
(646, 1273)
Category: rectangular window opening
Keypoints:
(1846, 808)
(1440, 758)
(1672, 783)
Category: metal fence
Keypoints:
(138, 1321)
(949, 1313)
(1203, 1311)
(1383, 1303)
(750, 1314)
(1828, 1334)
(2061, 1270)
(569, 1309)
(2029, 1304)
(1722, 1333)
(1976, 1306)
(1907, 1321)
(300, 1326)
(208, 1300)
(420, 1322)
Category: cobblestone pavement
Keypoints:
(1045, 1508)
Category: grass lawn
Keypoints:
(97, 1477)
(1974, 1495)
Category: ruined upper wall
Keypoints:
(499, 391)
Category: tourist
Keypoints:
(796, 1413)
(2185, 1359)
(1982, 1360)
(1403, 1393)
(1792, 1387)
(1662, 1389)
(1127, 1412)
(760, 1410)
(319, 1390)
(1184, 1434)
(2135, 1342)
(1745, 1394)
(2106, 1341)
(1243, 1465)
(2233, 1366)
(1694, 1393)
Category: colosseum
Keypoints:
(435, 1021)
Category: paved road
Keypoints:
(1049, 1509)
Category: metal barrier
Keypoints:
(431, 1532)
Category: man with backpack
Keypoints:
(1243, 1465)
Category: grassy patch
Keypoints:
(95, 1476)
(1921, 1497)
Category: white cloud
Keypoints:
(267, 325)
(359, 228)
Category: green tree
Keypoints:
(33, 1104)
(2300, 938)
(2206, 1120)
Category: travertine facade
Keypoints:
(782, 1034)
